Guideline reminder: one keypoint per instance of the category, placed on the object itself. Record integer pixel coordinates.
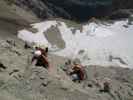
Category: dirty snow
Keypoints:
(97, 41)
(38, 37)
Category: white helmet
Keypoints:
(37, 53)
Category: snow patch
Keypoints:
(97, 40)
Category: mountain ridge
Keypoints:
(74, 9)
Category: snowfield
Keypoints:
(95, 44)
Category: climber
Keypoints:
(78, 73)
(40, 57)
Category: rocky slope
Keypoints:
(19, 80)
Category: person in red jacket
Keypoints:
(40, 58)
(77, 73)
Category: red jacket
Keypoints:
(80, 72)
(41, 59)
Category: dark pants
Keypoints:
(41, 63)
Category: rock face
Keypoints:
(19, 80)
(80, 10)
(14, 18)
